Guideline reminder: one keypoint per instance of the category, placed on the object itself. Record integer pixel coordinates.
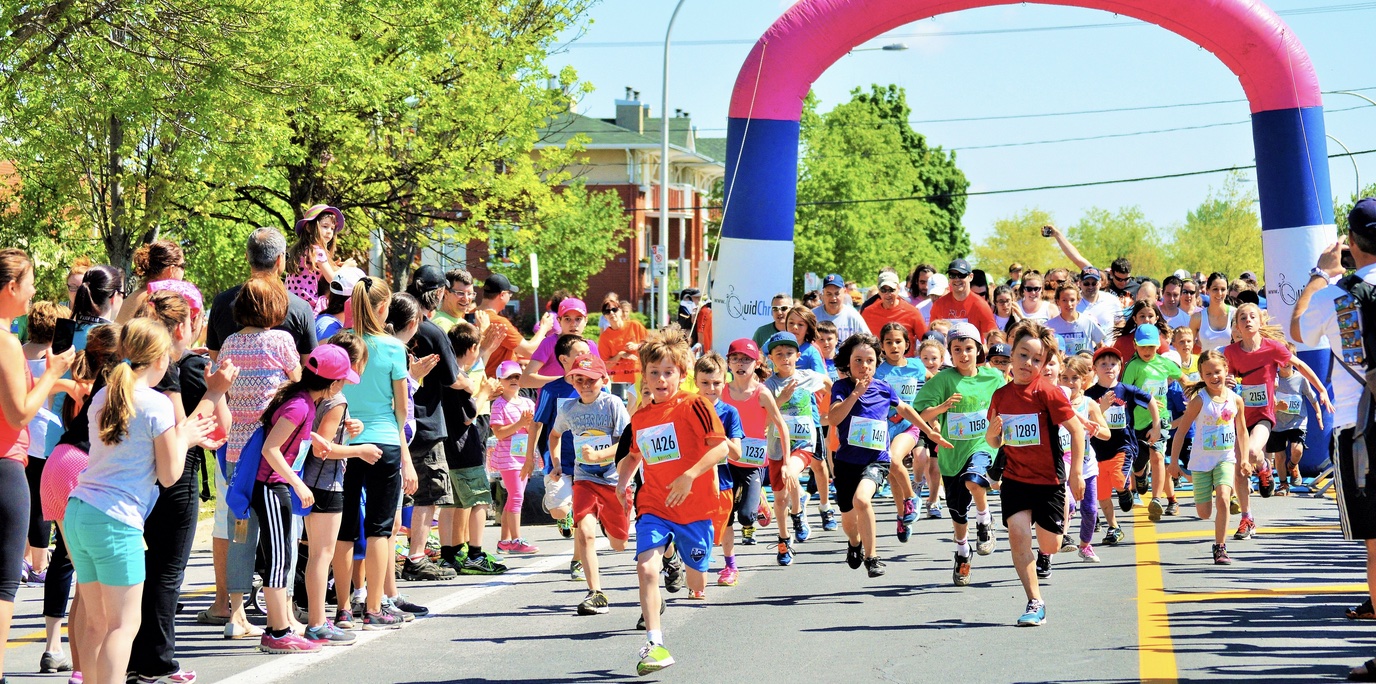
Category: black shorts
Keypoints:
(327, 501)
(1045, 502)
(382, 480)
(1356, 508)
(849, 475)
(1281, 441)
(958, 496)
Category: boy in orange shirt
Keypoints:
(679, 439)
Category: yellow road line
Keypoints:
(1155, 650)
(1207, 534)
(39, 636)
(1267, 593)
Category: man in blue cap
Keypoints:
(837, 309)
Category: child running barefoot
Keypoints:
(709, 374)
(512, 417)
(591, 425)
(904, 437)
(1076, 375)
(757, 410)
(860, 406)
(1022, 415)
(679, 440)
(1218, 415)
(959, 398)
(310, 261)
(790, 454)
(1116, 453)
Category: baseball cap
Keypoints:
(568, 304)
(780, 338)
(689, 292)
(1363, 215)
(962, 331)
(331, 362)
(1091, 272)
(345, 279)
(888, 279)
(507, 369)
(1248, 275)
(1147, 336)
(427, 279)
(186, 290)
(588, 366)
(1000, 349)
(834, 279)
(1107, 351)
(499, 283)
(934, 335)
(745, 347)
(960, 266)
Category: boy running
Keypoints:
(794, 389)
(1116, 454)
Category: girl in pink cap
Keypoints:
(310, 261)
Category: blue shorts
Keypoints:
(103, 549)
(693, 540)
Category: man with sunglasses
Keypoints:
(893, 308)
(836, 308)
(778, 307)
(1103, 307)
(960, 304)
(460, 300)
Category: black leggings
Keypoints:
(276, 538)
(14, 525)
(40, 530)
(57, 587)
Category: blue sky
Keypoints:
(1020, 73)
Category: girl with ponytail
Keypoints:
(136, 445)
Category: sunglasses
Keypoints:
(777, 309)
(1031, 289)
(888, 290)
(1189, 292)
(957, 276)
(607, 310)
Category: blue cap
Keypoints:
(1091, 272)
(778, 338)
(834, 279)
(1147, 336)
(1363, 215)
(1000, 349)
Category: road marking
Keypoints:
(1266, 593)
(281, 668)
(39, 636)
(1208, 534)
(1155, 651)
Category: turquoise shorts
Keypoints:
(1206, 480)
(103, 549)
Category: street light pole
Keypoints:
(663, 317)
(1356, 173)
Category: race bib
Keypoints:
(1117, 417)
(1254, 396)
(800, 431)
(1022, 430)
(1219, 437)
(520, 443)
(1065, 442)
(867, 433)
(753, 451)
(1291, 403)
(659, 444)
(1071, 343)
(908, 389)
(594, 441)
(1156, 388)
(971, 425)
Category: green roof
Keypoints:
(565, 126)
(712, 148)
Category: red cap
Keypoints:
(589, 366)
(745, 346)
(1107, 351)
(568, 304)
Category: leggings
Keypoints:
(14, 525)
(277, 534)
(1089, 509)
(57, 587)
(40, 530)
(515, 487)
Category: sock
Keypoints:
(1246, 516)
(416, 559)
(984, 517)
(475, 552)
(963, 548)
(278, 633)
(654, 636)
(731, 562)
(1170, 499)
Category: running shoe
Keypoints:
(1266, 481)
(874, 566)
(390, 608)
(785, 552)
(595, 603)
(728, 577)
(1068, 544)
(288, 643)
(75, 678)
(344, 619)
(519, 546)
(329, 635)
(403, 603)
(960, 576)
(1043, 566)
(54, 662)
(984, 538)
(764, 515)
(1087, 554)
(909, 511)
(379, 621)
(178, 677)
(934, 511)
(1155, 510)
(481, 566)
(576, 571)
(855, 556)
(1245, 529)
(640, 624)
(1221, 555)
(801, 530)
(748, 535)
(1035, 615)
(653, 658)
(829, 523)
(565, 525)
(673, 574)
(1139, 481)
(425, 570)
(1113, 537)
(697, 595)
(1125, 500)
(1172, 507)
(904, 531)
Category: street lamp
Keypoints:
(891, 47)
(1356, 173)
(663, 313)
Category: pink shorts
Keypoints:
(60, 473)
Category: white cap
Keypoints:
(888, 279)
(345, 279)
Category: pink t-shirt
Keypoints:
(264, 359)
(505, 413)
(300, 412)
(306, 284)
(544, 354)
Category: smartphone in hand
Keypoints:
(63, 334)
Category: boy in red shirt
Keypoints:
(1023, 417)
(679, 439)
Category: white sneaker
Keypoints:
(1087, 554)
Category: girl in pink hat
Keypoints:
(310, 261)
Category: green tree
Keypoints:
(1103, 236)
(1018, 239)
(1222, 234)
(861, 150)
(1341, 208)
(574, 235)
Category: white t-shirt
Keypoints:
(848, 321)
(1083, 334)
(121, 480)
(1105, 311)
(1181, 319)
(1320, 321)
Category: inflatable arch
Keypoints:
(766, 103)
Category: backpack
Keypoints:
(239, 490)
